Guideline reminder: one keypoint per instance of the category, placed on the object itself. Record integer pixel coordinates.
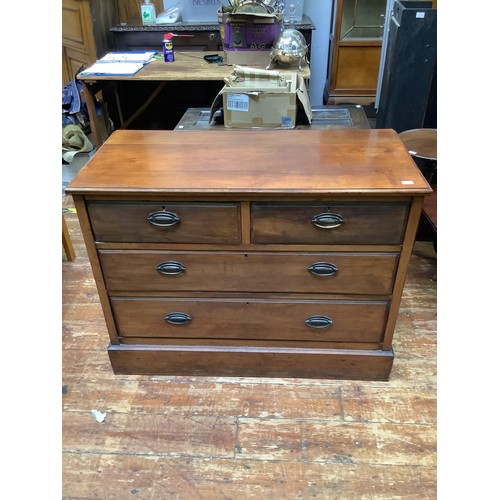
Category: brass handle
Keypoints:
(162, 218)
(178, 318)
(170, 268)
(327, 220)
(319, 321)
(323, 269)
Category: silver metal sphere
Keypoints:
(289, 47)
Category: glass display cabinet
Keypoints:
(355, 50)
(362, 20)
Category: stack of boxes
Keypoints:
(248, 38)
(253, 98)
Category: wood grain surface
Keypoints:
(188, 66)
(368, 162)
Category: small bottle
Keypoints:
(148, 13)
(168, 47)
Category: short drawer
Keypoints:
(329, 224)
(321, 321)
(320, 272)
(149, 222)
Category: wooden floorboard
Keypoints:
(246, 438)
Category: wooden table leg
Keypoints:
(117, 101)
(66, 241)
(88, 95)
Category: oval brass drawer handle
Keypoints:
(327, 220)
(178, 318)
(170, 268)
(319, 321)
(162, 218)
(323, 269)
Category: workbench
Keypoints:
(188, 66)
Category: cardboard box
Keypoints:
(259, 98)
(248, 57)
(248, 39)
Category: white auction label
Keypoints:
(237, 102)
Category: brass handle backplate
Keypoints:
(323, 269)
(170, 268)
(178, 318)
(327, 220)
(162, 218)
(319, 321)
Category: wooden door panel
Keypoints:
(357, 70)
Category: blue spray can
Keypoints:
(168, 47)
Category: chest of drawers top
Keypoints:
(251, 164)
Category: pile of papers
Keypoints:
(119, 63)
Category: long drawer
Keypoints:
(322, 321)
(349, 223)
(152, 222)
(321, 272)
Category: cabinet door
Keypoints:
(77, 37)
(72, 60)
(357, 69)
(357, 47)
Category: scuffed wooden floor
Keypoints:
(247, 438)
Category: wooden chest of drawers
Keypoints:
(250, 253)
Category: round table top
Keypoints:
(421, 142)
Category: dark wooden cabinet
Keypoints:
(205, 37)
(137, 37)
(409, 81)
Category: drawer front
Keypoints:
(130, 222)
(321, 321)
(321, 272)
(336, 223)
